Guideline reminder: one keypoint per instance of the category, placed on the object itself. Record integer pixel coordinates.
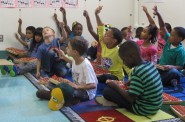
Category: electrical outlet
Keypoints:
(1, 38)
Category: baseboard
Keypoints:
(3, 54)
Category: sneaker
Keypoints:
(104, 102)
(43, 94)
(173, 82)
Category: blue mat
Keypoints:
(19, 103)
(178, 91)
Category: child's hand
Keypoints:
(155, 10)
(94, 44)
(62, 9)
(167, 67)
(60, 53)
(145, 9)
(85, 13)
(21, 54)
(98, 9)
(112, 84)
(20, 21)
(73, 85)
(66, 81)
(17, 36)
(55, 16)
(38, 75)
(127, 83)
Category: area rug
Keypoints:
(105, 116)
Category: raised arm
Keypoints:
(64, 34)
(161, 22)
(20, 40)
(150, 19)
(68, 30)
(20, 28)
(57, 23)
(98, 20)
(89, 26)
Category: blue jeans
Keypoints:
(167, 76)
(26, 67)
(53, 65)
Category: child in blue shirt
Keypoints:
(47, 56)
(22, 68)
(173, 56)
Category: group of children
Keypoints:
(136, 57)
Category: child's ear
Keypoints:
(150, 36)
(115, 41)
(180, 39)
(76, 52)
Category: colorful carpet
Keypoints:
(105, 116)
(82, 111)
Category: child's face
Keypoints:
(108, 37)
(128, 61)
(29, 34)
(125, 33)
(145, 33)
(174, 38)
(38, 38)
(78, 30)
(47, 32)
(69, 49)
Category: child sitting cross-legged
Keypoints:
(84, 83)
(144, 96)
(173, 56)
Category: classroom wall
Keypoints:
(115, 12)
(172, 11)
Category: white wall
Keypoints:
(172, 11)
(116, 13)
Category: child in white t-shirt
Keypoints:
(84, 78)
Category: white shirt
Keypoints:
(84, 74)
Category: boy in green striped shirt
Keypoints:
(144, 96)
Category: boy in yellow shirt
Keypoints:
(110, 58)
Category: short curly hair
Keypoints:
(79, 44)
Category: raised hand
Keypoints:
(55, 16)
(155, 10)
(20, 21)
(85, 13)
(94, 44)
(62, 9)
(145, 9)
(98, 9)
